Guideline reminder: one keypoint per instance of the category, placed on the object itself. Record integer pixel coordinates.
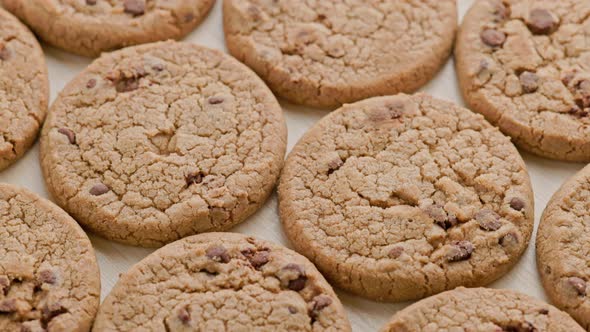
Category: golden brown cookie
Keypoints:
(89, 27)
(222, 282)
(326, 53)
(523, 64)
(155, 142)
(24, 89)
(49, 279)
(397, 198)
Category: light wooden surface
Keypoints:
(364, 315)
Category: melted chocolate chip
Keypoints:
(292, 310)
(259, 259)
(517, 204)
(69, 134)
(134, 7)
(127, 85)
(8, 305)
(50, 311)
(578, 284)
(492, 37)
(541, 22)
(218, 254)
(194, 178)
(215, 100)
(47, 277)
(529, 81)
(91, 2)
(184, 316)
(460, 251)
(318, 303)
(396, 252)
(543, 311)
(91, 83)
(293, 277)
(441, 217)
(488, 220)
(522, 327)
(297, 284)
(99, 189)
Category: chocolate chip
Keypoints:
(8, 305)
(492, 37)
(396, 252)
(529, 81)
(517, 204)
(488, 220)
(215, 100)
(318, 303)
(293, 277)
(4, 284)
(460, 251)
(50, 311)
(69, 134)
(292, 310)
(508, 240)
(47, 277)
(188, 17)
(218, 254)
(194, 178)
(334, 165)
(184, 316)
(544, 311)
(4, 52)
(99, 189)
(297, 284)
(91, 83)
(127, 85)
(91, 2)
(134, 7)
(578, 284)
(522, 327)
(259, 259)
(583, 94)
(541, 22)
(578, 112)
(440, 216)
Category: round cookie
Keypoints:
(397, 198)
(156, 142)
(481, 310)
(524, 66)
(326, 53)
(24, 89)
(222, 282)
(89, 27)
(562, 247)
(49, 278)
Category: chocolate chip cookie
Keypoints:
(524, 65)
(155, 142)
(481, 310)
(326, 53)
(24, 89)
(49, 279)
(562, 247)
(397, 198)
(89, 27)
(222, 282)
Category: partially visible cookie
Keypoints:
(89, 27)
(481, 310)
(49, 278)
(397, 198)
(24, 89)
(523, 64)
(155, 142)
(222, 282)
(326, 53)
(563, 256)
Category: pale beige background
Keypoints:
(365, 315)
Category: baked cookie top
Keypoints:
(220, 282)
(326, 53)
(524, 65)
(156, 142)
(481, 310)
(563, 259)
(49, 278)
(89, 27)
(24, 89)
(396, 198)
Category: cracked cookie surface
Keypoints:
(49, 278)
(481, 310)
(156, 142)
(326, 53)
(89, 27)
(222, 282)
(396, 198)
(24, 89)
(563, 253)
(524, 65)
